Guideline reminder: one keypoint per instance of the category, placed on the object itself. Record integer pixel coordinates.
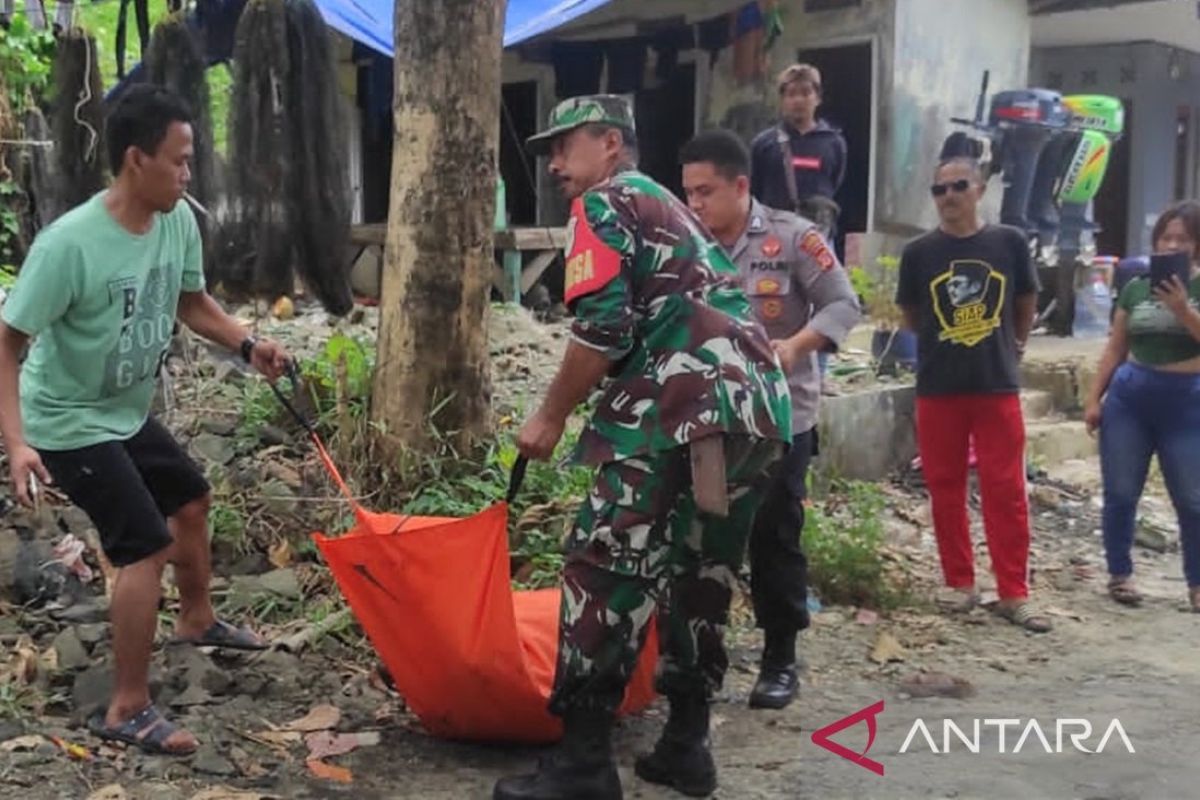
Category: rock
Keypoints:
(92, 689)
(273, 435)
(10, 729)
(228, 371)
(209, 761)
(251, 685)
(194, 669)
(1152, 537)
(70, 650)
(937, 684)
(282, 582)
(88, 612)
(224, 426)
(93, 634)
(279, 497)
(193, 695)
(215, 449)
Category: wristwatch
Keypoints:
(248, 347)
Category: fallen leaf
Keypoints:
(21, 743)
(321, 718)
(276, 738)
(76, 751)
(329, 772)
(325, 744)
(887, 649)
(113, 792)
(23, 666)
(280, 554)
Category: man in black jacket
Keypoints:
(813, 152)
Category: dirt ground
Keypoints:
(1102, 662)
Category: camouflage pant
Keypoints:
(640, 545)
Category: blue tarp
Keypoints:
(371, 21)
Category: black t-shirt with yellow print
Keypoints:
(963, 289)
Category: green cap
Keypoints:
(609, 109)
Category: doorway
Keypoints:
(848, 103)
(666, 120)
(518, 121)
(1110, 210)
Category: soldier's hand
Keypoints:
(539, 436)
(786, 353)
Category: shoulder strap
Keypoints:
(789, 170)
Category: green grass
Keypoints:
(843, 540)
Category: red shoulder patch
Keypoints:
(591, 264)
(813, 244)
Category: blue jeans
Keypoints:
(1147, 412)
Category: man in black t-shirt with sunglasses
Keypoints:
(969, 290)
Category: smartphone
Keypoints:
(1164, 265)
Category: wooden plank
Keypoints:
(531, 239)
(375, 233)
(509, 239)
(535, 269)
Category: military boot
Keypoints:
(580, 768)
(681, 759)
(777, 683)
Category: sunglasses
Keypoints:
(960, 185)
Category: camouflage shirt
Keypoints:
(653, 291)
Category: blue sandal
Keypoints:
(148, 730)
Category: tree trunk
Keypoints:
(432, 348)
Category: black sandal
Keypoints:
(222, 634)
(147, 730)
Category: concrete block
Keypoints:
(1053, 442)
(868, 435)
(1036, 404)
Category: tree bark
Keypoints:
(432, 349)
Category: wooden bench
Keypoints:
(513, 280)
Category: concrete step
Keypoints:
(1053, 441)
(1036, 404)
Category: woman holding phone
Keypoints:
(1146, 399)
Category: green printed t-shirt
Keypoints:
(100, 304)
(1156, 337)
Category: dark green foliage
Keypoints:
(288, 188)
(77, 119)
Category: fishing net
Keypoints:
(175, 60)
(289, 199)
(77, 119)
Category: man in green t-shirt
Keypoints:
(98, 296)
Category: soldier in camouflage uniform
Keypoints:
(803, 297)
(684, 438)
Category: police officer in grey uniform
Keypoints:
(803, 298)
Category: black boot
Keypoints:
(681, 759)
(777, 683)
(580, 768)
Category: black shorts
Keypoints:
(129, 488)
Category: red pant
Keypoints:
(945, 428)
